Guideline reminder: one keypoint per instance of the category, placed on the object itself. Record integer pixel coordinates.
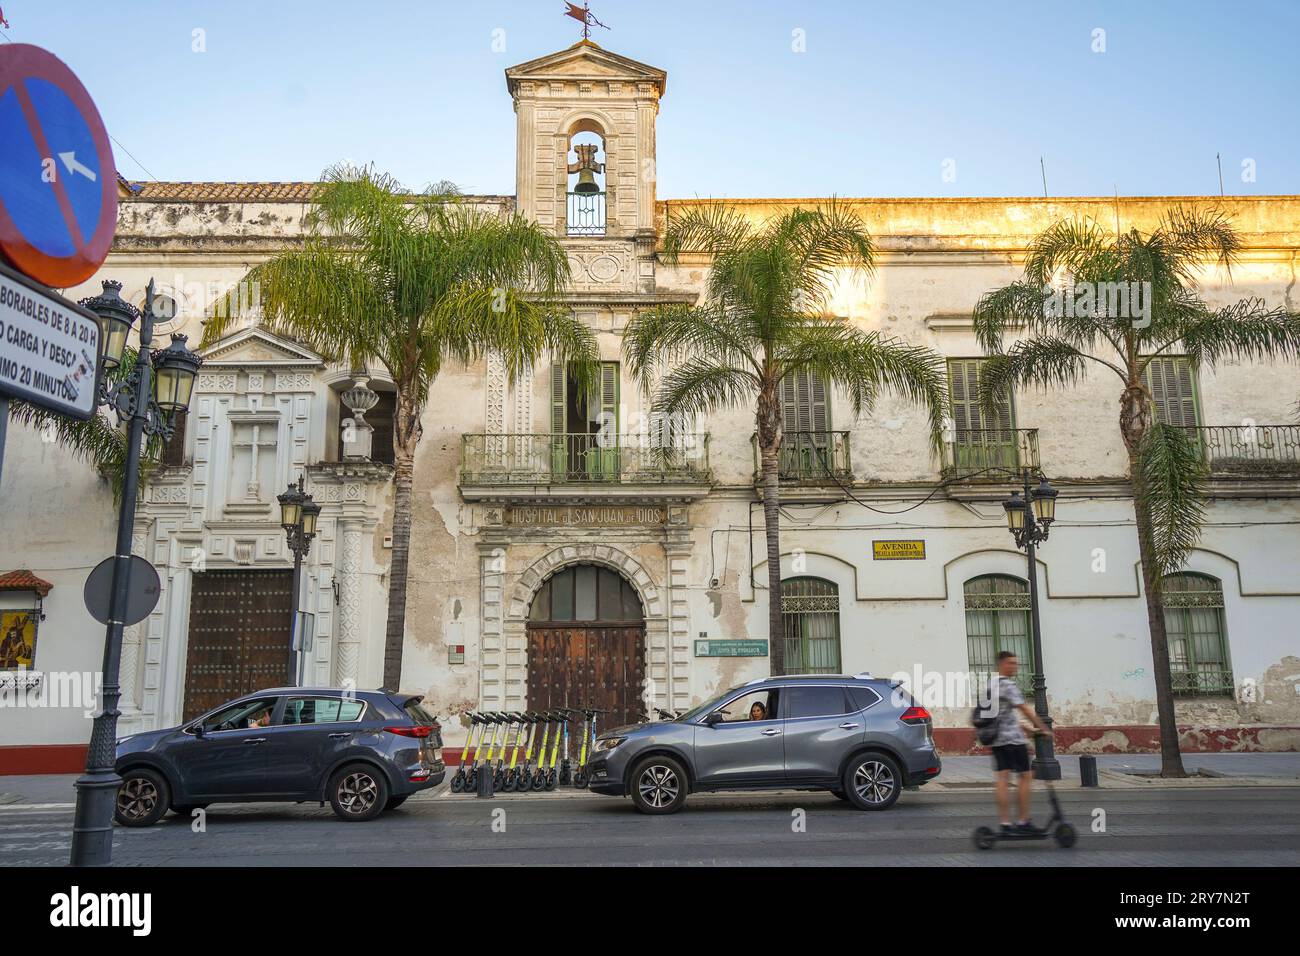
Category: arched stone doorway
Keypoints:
(586, 644)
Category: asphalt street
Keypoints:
(1242, 826)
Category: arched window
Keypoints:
(587, 593)
(997, 619)
(586, 184)
(810, 608)
(1198, 638)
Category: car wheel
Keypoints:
(395, 802)
(142, 798)
(873, 781)
(358, 793)
(658, 785)
(187, 809)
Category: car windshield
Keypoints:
(709, 704)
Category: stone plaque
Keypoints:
(587, 516)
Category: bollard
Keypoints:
(485, 777)
(1088, 771)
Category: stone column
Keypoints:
(348, 575)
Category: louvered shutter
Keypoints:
(964, 397)
(559, 450)
(1173, 390)
(804, 406)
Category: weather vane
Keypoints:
(584, 14)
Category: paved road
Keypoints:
(1204, 827)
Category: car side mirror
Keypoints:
(198, 731)
(712, 719)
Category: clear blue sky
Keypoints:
(882, 96)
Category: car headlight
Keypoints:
(609, 743)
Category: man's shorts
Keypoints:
(1013, 757)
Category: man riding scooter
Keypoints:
(1010, 748)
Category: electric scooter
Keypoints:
(471, 781)
(546, 780)
(538, 777)
(1063, 833)
(525, 731)
(462, 772)
(580, 778)
(514, 722)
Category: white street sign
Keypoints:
(49, 347)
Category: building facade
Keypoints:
(551, 565)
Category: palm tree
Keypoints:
(763, 317)
(98, 440)
(1166, 464)
(414, 282)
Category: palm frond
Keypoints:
(1248, 329)
(1172, 467)
(699, 386)
(862, 364)
(1043, 362)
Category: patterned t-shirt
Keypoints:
(1009, 698)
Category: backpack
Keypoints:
(986, 728)
(986, 725)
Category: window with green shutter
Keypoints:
(805, 424)
(980, 440)
(584, 425)
(1172, 382)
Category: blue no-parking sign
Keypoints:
(58, 181)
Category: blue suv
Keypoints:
(363, 751)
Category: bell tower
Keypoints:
(585, 148)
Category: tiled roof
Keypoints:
(224, 192)
(24, 580)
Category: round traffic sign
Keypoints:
(142, 589)
(58, 181)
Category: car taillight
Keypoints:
(415, 730)
(915, 715)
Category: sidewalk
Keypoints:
(1128, 771)
(1115, 772)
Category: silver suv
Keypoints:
(862, 738)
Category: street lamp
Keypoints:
(146, 402)
(298, 514)
(1029, 519)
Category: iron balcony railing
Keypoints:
(810, 457)
(1250, 451)
(988, 454)
(586, 214)
(580, 457)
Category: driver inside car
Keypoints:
(757, 711)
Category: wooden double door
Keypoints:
(588, 665)
(239, 636)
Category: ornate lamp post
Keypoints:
(1029, 519)
(146, 401)
(298, 514)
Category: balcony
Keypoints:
(586, 214)
(810, 458)
(988, 454)
(583, 460)
(1251, 451)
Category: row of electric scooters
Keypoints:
(534, 731)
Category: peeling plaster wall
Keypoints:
(937, 258)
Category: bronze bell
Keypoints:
(586, 167)
(586, 182)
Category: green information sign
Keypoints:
(731, 648)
